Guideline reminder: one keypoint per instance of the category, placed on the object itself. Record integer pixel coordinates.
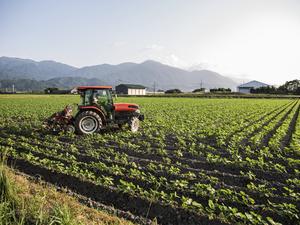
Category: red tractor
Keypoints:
(96, 111)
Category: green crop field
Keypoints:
(194, 161)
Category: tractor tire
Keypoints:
(88, 122)
(134, 124)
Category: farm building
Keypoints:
(245, 88)
(131, 89)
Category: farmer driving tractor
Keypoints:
(103, 99)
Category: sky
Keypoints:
(249, 39)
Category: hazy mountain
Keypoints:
(70, 82)
(26, 68)
(21, 84)
(150, 72)
(146, 73)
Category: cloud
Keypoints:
(173, 60)
(155, 47)
(200, 66)
(118, 44)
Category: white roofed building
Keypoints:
(245, 88)
(131, 89)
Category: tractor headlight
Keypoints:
(137, 111)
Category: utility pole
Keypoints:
(13, 88)
(201, 85)
(154, 87)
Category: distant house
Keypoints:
(245, 88)
(131, 89)
(74, 91)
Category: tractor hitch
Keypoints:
(61, 121)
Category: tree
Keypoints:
(50, 90)
(220, 90)
(290, 87)
(199, 90)
(173, 91)
(264, 90)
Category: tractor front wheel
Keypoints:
(88, 122)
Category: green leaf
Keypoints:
(272, 222)
(211, 204)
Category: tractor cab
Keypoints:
(97, 111)
(98, 96)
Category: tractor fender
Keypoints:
(94, 109)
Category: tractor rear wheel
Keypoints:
(134, 124)
(88, 122)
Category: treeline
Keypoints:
(222, 90)
(22, 85)
(200, 90)
(289, 88)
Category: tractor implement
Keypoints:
(96, 112)
(61, 121)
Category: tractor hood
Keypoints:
(123, 107)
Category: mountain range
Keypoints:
(148, 73)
